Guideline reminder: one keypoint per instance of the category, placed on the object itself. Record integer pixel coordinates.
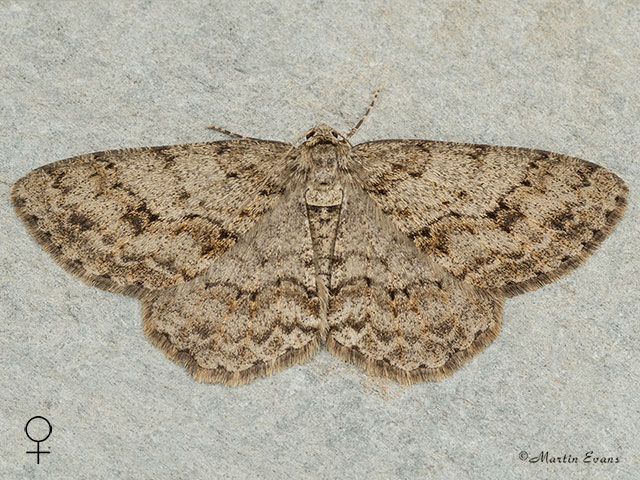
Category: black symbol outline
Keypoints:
(26, 431)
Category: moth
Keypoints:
(250, 254)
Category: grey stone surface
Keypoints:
(562, 377)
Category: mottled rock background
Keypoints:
(563, 376)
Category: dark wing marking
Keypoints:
(252, 312)
(394, 311)
(138, 219)
(505, 218)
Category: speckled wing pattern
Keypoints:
(253, 311)
(502, 218)
(248, 254)
(135, 220)
(394, 311)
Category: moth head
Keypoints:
(323, 134)
(324, 154)
(321, 156)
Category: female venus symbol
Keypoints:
(26, 430)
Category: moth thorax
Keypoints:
(324, 165)
(328, 197)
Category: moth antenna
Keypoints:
(361, 121)
(231, 134)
